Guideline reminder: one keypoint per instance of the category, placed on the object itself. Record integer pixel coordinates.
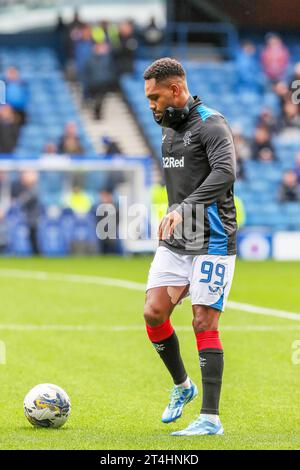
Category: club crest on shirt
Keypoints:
(187, 138)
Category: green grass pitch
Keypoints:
(117, 383)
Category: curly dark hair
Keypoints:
(164, 68)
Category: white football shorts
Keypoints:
(209, 276)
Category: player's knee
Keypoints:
(200, 324)
(204, 320)
(153, 314)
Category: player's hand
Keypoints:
(167, 225)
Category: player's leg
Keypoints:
(211, 360)
(205, 324)
(160, 302)
(168, 283)
(210, 285)
(210, 350)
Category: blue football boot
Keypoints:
(180, 397)
(201, 427)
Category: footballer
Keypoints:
(197, 239)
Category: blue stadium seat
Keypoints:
(84, 229)
(292, 209)
(51, 104)
(19, 240)
(51, 238)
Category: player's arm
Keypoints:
(218, 142)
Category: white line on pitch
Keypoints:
(76, 278)
(119, 328)
(97, 280)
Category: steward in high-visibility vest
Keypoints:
(159, 201)
(78, 200)
(106, 33)
(240, 211)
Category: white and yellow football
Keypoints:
(47, 406)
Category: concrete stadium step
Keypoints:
(117, 122)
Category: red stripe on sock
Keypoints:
(160, 332)
(208, 340)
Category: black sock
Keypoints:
(165, 341)
(169, 351)
(211, 364)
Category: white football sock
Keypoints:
(211, 418)
(185, 384)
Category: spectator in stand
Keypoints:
(72, 34)
(152, 34)
(266, 118)
(281, 89)
(78, 200)
(275, 58)
(240, 168)
(247, 67)
(4, 205)
(290, 119)
(241, 215)
(50, 148)
(76, 22)
(25, 194)
(242, 151)
(125, 53)
(70, 141)
(4, 238)
(83, 47)
(110, 223)
(9, 129)
(3, 184)
(289, 190)
(297, 168)
(266, 155)
(241, 143)
(5, 190)
(61, 33)
(111, 147)
(262, 148)
(106, 32)
(17, 94)
(100, 76)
